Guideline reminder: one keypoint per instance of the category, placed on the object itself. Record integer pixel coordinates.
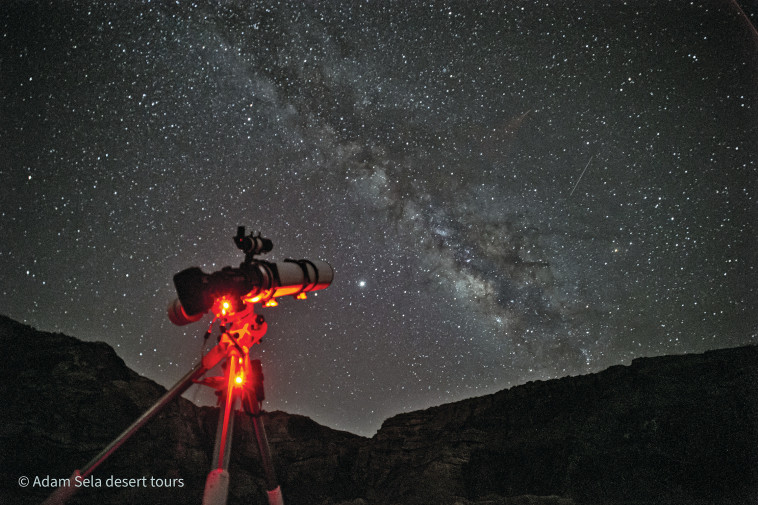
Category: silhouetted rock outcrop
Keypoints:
(674, 429)
(67, 399)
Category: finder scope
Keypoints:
(229, 290)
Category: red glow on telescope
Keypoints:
(223, 307)
(262, 295)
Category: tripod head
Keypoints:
(231, 292)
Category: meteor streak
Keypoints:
(580, 175)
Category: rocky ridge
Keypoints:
(672, 429)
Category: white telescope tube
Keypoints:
(290, 278)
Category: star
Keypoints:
(517, 193)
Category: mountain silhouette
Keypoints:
(670, 429)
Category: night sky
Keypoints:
(507, 191)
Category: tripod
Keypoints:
(241, 384)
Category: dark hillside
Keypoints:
(672, 429)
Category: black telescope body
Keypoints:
(257, 280)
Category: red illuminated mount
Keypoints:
(223, 307)
(243, 329)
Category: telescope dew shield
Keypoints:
(191, 287)
(178, 316)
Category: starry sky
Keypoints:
(507, 191)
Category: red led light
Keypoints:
(223, 307)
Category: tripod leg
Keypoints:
(252, 400)
(64, 493)
(275, 496)
(216, 487)
(272, 487)
(217, 484)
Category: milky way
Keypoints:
(506, 192)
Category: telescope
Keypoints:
(229, 291)
(231, 294)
